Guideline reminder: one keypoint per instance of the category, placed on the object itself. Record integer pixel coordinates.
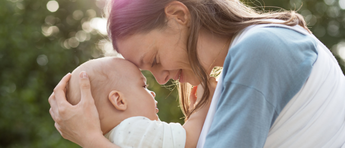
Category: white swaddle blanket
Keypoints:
(315, 116)
(141, 132)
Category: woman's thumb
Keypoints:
(85, 87)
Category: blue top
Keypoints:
(261, 73)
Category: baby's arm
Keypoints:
(195, 122)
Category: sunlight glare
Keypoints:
(340, 49)
(99, 24)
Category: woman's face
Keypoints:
(161, 51)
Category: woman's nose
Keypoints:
(162, 76)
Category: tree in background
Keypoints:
(325, 18)
(42, 40)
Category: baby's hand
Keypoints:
(198, 91)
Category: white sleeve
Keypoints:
(141, 132)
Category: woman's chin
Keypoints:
(193, 82)
(188, 79)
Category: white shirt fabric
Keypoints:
(305, 120)
(315, 116)
(141, 132)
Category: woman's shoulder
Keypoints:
(270, 42)
(275, 61)
(270, 52)
(268, 38)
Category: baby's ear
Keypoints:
(118, 101)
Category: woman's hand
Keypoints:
(80, 123)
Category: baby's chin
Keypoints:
(156, 118)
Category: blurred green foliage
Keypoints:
(39, 46)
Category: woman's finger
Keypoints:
(58, 128)
(60, 90)
(52, 114)
(52, 101)
(85, 87)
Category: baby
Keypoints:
(128, 110)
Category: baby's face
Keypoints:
(141, 101)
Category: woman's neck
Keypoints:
(212, 49)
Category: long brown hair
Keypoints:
(222, 17)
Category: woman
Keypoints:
(280, 87)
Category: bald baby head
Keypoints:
(104, 75)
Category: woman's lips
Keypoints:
(178, 75)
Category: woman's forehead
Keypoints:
(135, 50)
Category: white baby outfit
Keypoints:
(141, 132)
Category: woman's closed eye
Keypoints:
(154, 62)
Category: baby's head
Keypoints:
(118, 88)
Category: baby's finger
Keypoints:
(85, 87)
(199, 92)
(192, 98)
(194, 90)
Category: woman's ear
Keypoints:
(118, 101)
(178, 11)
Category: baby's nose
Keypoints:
(153, 94)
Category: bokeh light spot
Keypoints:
(333, 28)
(10, 88)
(86, 27)
(329, 2)
(42, 60)
(78, 14)
(20, 6)
(82, 36)
(73, 42)
(321, 7)
(52, 6)
(91, 13)
(48, 31)
(107, 48)
(340, 49)
(333, 11)
(342, 4)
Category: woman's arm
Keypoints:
(195, 122)
(262, 72)
(80, 123)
